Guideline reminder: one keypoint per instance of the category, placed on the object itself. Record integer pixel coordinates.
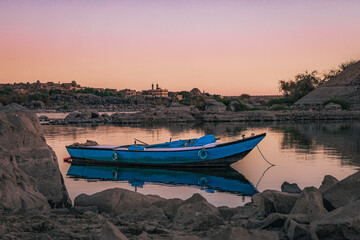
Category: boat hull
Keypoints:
(223, 154)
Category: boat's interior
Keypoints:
(207, 139)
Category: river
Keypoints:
(303, 153)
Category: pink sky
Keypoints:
(224, 47)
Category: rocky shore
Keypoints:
(214, 112)
(35, 204)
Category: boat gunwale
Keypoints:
(172, 149)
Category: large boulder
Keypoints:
(18, 190)
(310, 202)
(344, 192)
(213, 106)
(272, 201)
(196, 211)
(116, 200)
(22, 142)
(342, 223)
(327, 183)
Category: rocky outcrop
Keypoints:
(18, 190)
(32, 165)
(344, 86)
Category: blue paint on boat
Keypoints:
(195, 152)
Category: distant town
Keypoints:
(154, 92)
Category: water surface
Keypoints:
(303, 154)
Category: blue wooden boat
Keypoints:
(204, 151)
(207, 179)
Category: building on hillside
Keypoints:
(175, 95)
(159, 92)
(128, 93)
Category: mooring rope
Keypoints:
(264, 157)
(257, 184)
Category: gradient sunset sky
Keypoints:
(224, 47)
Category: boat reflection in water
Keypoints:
(210, 179)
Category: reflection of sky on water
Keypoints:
(303, 153)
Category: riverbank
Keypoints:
(187, 114)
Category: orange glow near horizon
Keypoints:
(228, 48)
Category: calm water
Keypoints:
(302, 153)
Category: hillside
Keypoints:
(344, 86)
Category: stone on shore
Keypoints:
(342, 223)
(290, 188)
(198, 212)
(310, 202)
(23, 147)
(272, 201)
(116, 200)
(342, 193)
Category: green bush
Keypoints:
(286, 100)
(279, 107)
(343, 103)
(244, 96)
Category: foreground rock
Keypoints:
(271, 201)
(342, 223)
(123, 214)
(28, 163)
(344, 192)
(116, 201)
